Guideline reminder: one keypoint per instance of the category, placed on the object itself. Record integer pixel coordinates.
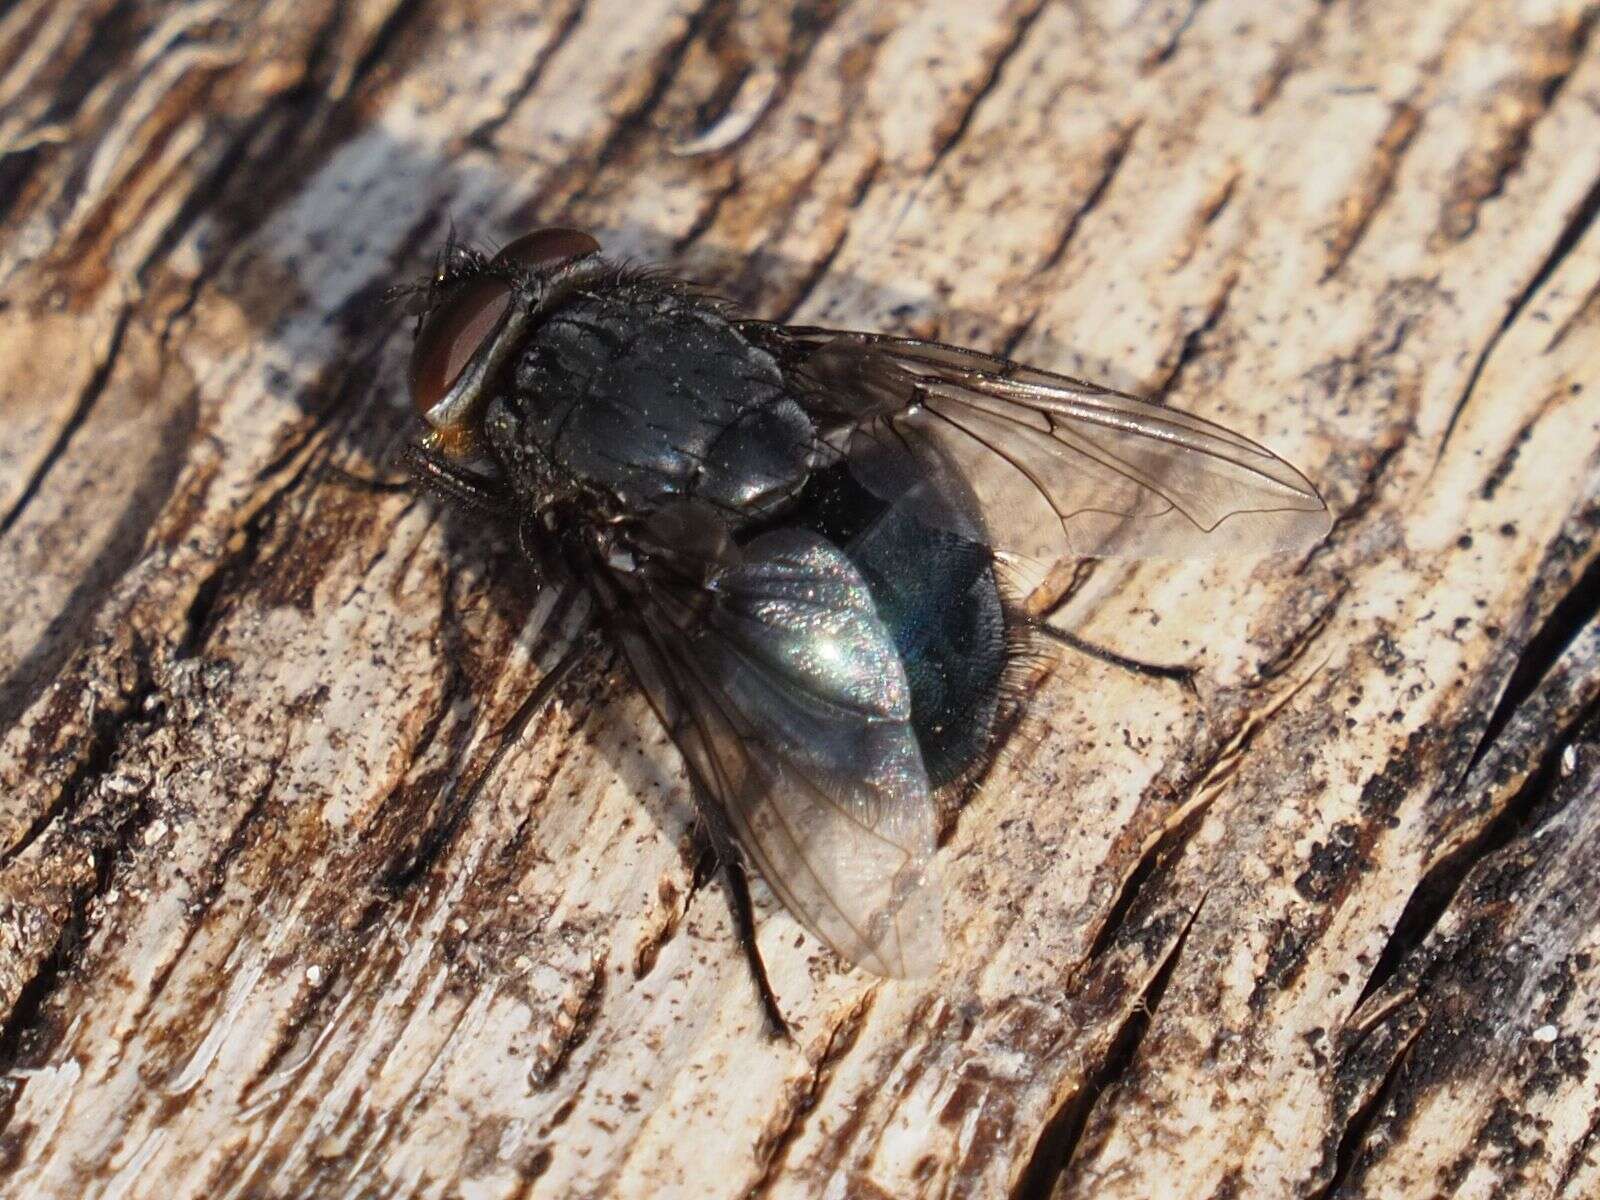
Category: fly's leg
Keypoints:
(444, 477)
(511, 732)
(436, 839)
(1181, 675)
(732, 864)
(365, 483)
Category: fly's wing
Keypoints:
(784, 692)
(1060, 466)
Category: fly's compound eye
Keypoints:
(544, 248)
(450, 334)
(456, 328)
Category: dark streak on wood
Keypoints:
(1516, 107)
(1359, 208)
(986, 86)
(1116, 153)
(1165, 52)
(74, 422)
(1290, 57)
(483, 136)
(1578, 223)
(1479, 971)
(772, 1149)
(1062, 1138)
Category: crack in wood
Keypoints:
(1116, 155)
(1577, 224)
(105, 841)
(105, 733)
(1434, 893)
(1577, 610)
(1205, 781)
(986, 86)
(648, 952)
(1518, 105)
(437, 838)
(578, 1030)
(408, 868)
(1359, 1124)
(1210, 211)
(1368, 490)
(483, 135)
(1579, 1156)
(1305, 636)
(1291, 57)
(707, 216)
(109, 34)
(205, 901)
(635, 123)
(1062, 1139)
(244, 551)
(1111, 164)
(1169, 49)
(809, 21)
(212, 186)
(813, 277)
(1192, 344)
(85, 403)
(772, 1148)
(1358, 209)
(377, 55)
(1436, 985)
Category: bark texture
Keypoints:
(282, 915)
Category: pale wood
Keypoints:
(277, 919)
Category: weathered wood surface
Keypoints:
(276, 918)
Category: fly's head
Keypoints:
(477, 313)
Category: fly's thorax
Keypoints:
(650, 396)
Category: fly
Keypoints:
(795, 536)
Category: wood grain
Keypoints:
(282, 915)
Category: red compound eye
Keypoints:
(455, 329)
(546, 247)
(449, 335)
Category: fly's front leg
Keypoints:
(433, 841)
(365, 483)
(444, 477)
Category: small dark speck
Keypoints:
(1509, 529)
(1464, 541)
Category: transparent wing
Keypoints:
(1060, 466)
(784, 692)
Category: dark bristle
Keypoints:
(649, 281)
(1025, 658)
